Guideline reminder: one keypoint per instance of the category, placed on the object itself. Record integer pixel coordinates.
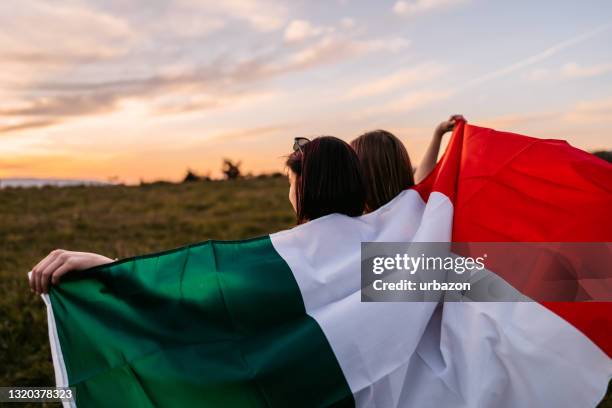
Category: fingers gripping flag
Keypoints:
(277, 321)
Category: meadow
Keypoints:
(117, 221)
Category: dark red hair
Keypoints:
(328, 179)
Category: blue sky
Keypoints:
(143, 90)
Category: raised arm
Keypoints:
(57, 263)
(431, 155)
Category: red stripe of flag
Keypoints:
(507, 187)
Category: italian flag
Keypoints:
(277, 321)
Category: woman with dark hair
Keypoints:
(324, 176)
(386, 165)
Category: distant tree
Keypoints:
(191, 176)
(231, 169)
(604, 154)
(276, 174)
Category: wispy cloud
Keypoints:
(336, 47)
(517, 120)
(300, 30)
(594, 111)
(347, 23)
(413, 7)
(64, 105)
(589, 112)
(418, 99)
(536, 58)
(261, 15)
(202, 102)
(29, 124)
(409, 101)
(217, 76)
(571, 70)
(248, 133)
(538, 74)
(219, 82)
(397, 80)
(42, 31)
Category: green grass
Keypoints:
(116, 221)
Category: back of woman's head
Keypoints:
(328, 179)
(385, 165)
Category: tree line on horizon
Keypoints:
(231, 170)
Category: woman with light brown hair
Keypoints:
(386, 165)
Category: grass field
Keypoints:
(117, 221)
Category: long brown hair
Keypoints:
(385, 166)
(328, 179)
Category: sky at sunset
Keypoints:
(144, 90)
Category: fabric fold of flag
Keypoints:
(278, 321)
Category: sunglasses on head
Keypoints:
(299, 143)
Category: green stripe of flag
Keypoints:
(218, 324)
